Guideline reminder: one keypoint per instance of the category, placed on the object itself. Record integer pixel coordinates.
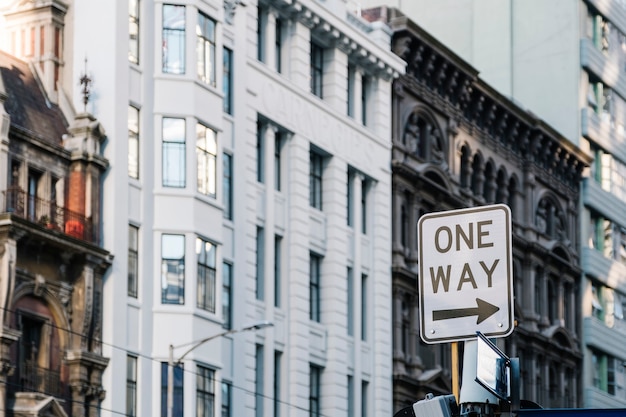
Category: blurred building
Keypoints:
(248, 180)
(565, 61)
(52, 263)
(457, 143)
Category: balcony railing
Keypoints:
(49, 215)
(29, 377)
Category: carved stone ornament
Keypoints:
(229, 10)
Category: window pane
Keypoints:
(133, 256)
(173, 152)
(131, 386)
(227, 272)
(177, 406)
(206, 150)
(227, 185)
(206, 254)
(226, 399)
(205, 32)
(172, 269)
(227, 88)
(205, 392)
(173, 39)
(133, 31)
(133, 142)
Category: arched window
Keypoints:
(423, 138)
(477, 175)
(466, 169)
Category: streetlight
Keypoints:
(171, 363)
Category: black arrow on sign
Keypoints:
(483, 310)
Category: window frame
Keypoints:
(315, 389)
(133, 29)
(316, 172)
(133, 142)
(174, 148)
(181, 275)
(206, 160)
(317, 69)
(315, 276)
(206, 49)
(227, 295)
(133, 261)
(206, 277)
(260, 264)
(227, 80)
(176, 33)
(205, 391)
(227, 185)
(131, 385)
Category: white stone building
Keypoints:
(249, 180)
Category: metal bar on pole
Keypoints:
(455, 370)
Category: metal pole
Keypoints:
(455, 370)
(170, 383)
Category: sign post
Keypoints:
(465, 276)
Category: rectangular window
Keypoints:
(364, 207)
(206, 48)
(173, 269)
(260, 150)
(365, 83)
(350, 203)
(227, 295)
(364, 393)
(258, 381)
(133, 31)
(173, 53)
(317, 70)
(205, 392)
(131, 386)
(260, 256)
(227, 81)
(277, 150)
(277, 358)
(133, 257)
(177, 404)
(260, 31)
(226, 400)
(350, 396)
(351, 81)
(350, 302)
(174, 152)
(279, 45)
(315, 180)
(277, 259)
(315, 391)
(206, 151)
(314, 287)
(227, 185)
(133, 142)
(206, 255)
(34, 194)
(363, 307)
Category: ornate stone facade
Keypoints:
(458, 143)
(51, 262)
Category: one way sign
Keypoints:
(465, 276)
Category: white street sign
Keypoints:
(465, 278)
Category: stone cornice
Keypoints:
(452, 86)
(344, 35)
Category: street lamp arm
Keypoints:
(198, 343)
(195, 344)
